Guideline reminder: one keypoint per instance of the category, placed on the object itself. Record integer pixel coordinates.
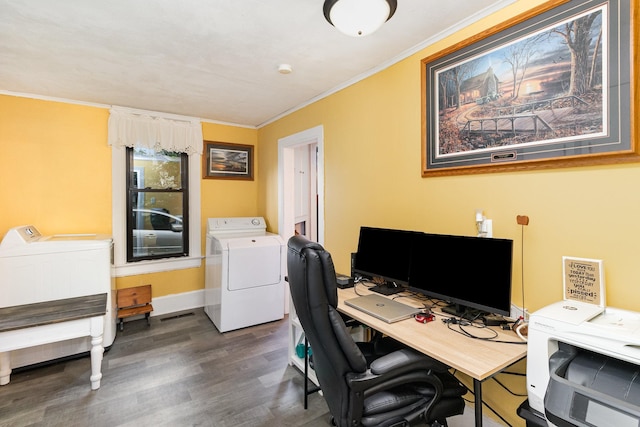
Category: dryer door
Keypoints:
(254, 262)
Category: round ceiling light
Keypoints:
(358, 18)
(285, 69)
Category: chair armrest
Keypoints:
(400, 367)
(403, 360)
(368, 383)
(396, 369)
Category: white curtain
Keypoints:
(132, 129)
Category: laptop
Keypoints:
(382, 308)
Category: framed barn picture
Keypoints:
(551, 88)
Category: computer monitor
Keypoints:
(467, 272)
(384, 254)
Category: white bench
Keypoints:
(29, 325)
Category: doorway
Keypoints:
(301, 186)
(305, 191)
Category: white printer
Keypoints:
(583, 366)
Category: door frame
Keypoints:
(286, 155)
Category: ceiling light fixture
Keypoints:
(358, 18)
(285, 69)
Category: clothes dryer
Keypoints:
(36, 268)
(244, 275)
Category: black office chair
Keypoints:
(402, 388)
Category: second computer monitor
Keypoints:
(468, 272)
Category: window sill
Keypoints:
(157, 266)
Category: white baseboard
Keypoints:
(177, 302)
(173, 303)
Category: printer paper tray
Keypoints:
(592, 389)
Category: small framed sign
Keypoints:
(583, 280)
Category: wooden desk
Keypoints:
(480, 359)
(29, 325)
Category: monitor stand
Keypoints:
(386, 289)
(455, 310)
(462, 311)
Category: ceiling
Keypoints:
(211, 59)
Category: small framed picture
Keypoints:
(224, 160)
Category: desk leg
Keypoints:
(306, 373)
(97, 350)
(477, 393)
(5, 367)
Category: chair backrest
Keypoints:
(312, 280)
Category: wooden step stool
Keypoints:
(134, 301)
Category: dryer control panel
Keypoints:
(236, 224)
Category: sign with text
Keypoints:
(583, 280)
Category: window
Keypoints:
(157, 204)
(156, 165)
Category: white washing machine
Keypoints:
(244, 275)
(36, 268)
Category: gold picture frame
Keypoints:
(512, 98)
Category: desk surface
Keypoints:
(475, 357)
(48, 312)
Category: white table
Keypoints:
(29, 325)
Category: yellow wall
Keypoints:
(227, 197)
(55, 166)
(373, 177)
(55, 171)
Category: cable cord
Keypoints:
(462, 323)
(522, 266)
(519, 374)
(359, 280)
(519, 328)
(507, 389)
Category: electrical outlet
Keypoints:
(483, 225)
(488, 227)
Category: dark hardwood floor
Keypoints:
(180, 371)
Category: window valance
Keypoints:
(128, 129)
